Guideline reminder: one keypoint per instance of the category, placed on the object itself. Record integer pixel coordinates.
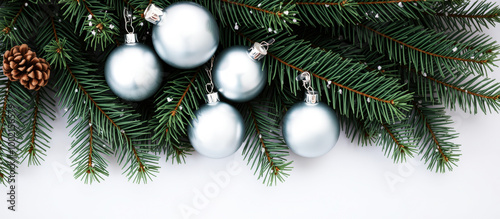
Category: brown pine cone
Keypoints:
(20, 63)
(37, 75)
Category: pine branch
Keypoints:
(100, 28)
(140, 165)
(467, 14)
(344, 3)
(73, 10)
(265, 148)
(13, 13)
(179, 150)
(432, 126)
(8, 28)
(142, 172)
(11, 124)
(372, 61)
(89, 163)
(398, 141)
(175, 107)
(5, 159)
(4, 108)
(330, 13)
(359, 130)
(271, 15)
(91, 146)
(364, 90)
(275, 13)
(469, 93)
(85, 94)
(286, 98)
(478, 92)
(57, 54)
(424, 49)
(35, 143)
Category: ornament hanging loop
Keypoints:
(210, 85)
(130, 37)
(311, 95)
(305, 77)
(259, 50)
(267, 44)
(127, 16)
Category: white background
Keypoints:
(348, 182)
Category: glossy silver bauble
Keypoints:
(217, 130)
(311, 129)
(133, 71)
(186, 35)
(237, 76)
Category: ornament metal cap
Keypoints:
(257, 51)
(311, 97)
(213, 98)
(131, 38)
(153, 13)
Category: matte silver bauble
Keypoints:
(238, 76)
(217, 130)
(133, 71)
(185, 35)
(311, 128)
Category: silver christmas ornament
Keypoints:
(217, 129)
(185, 35)
(310, 128)
(238, 72)
(132, 71)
